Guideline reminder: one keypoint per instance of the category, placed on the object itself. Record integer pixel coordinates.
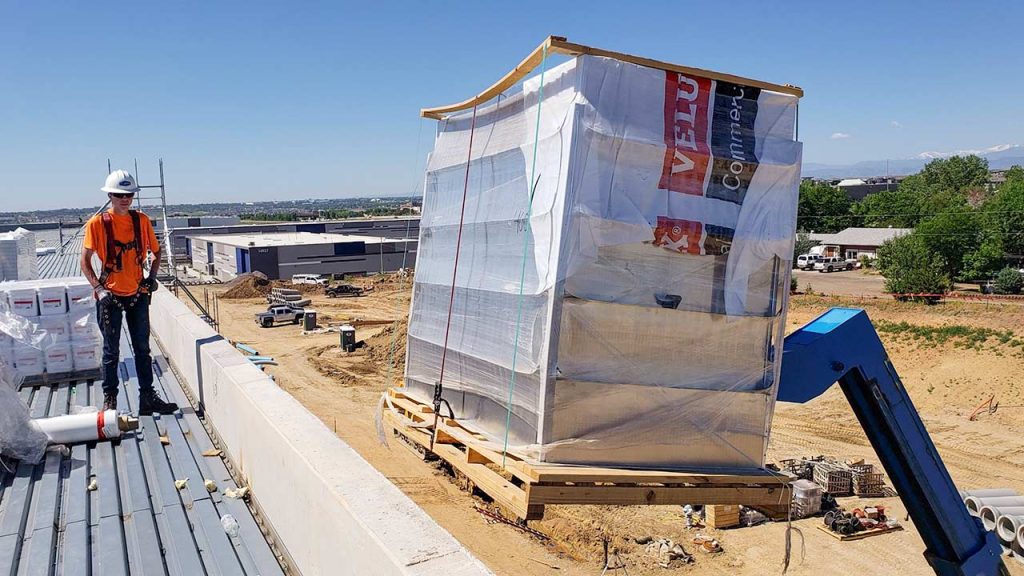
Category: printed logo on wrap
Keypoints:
(691, 237)
(710, 149)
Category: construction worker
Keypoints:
(122, 238)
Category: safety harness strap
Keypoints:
(113, 259)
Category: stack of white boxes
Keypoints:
(66, 334)
(18, 255)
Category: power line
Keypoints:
(923, 214)
(978, 233)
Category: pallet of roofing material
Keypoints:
(49, 332)
(834, 477)
(524, 487)
(622, 272)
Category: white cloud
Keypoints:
(895, 124)
(839, 135)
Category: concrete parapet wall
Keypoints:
(331, 510)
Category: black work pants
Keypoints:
(136, 312)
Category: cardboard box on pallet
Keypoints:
(620, 292)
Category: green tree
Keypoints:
(956, 173)
(1015, 174)
(898, 208)
(822, 208)
(951, 235)
(803, 244)
(1009, 281)
(985, 260)
(1005, 214)
(910, 267)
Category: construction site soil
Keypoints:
(951, 357)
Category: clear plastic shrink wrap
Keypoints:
(656, 270)
(20, 439)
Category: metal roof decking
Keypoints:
(134, 520)
(58, 265)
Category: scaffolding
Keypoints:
(158, 202)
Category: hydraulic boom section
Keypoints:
(842, 345)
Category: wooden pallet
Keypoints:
(857, 535)
(524, 487)
(51, 378)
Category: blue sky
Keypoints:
(284, 100)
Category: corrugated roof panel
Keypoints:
(134, 521)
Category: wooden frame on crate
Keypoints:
(559, 45)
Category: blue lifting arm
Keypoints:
(842, 345)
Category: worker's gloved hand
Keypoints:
(149, 284)
(102, 295)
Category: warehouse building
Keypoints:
(284, 254)
(387, 227)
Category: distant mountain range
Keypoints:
(999, 157)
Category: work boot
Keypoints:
(151, 403)
(110, 401)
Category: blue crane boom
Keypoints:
(842, 345)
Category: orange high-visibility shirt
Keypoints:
(123, 282)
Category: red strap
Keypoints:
(100, 423)
(140, 254)
(108, 231)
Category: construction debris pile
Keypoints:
(666, 551)
(859, 520)
(253, 285)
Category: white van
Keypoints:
(310, 279)
(807, 261)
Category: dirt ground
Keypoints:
(947, 371)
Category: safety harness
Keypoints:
(113, 259)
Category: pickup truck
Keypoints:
(277, 313)
(834, 263)
(341, 290)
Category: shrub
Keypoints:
(910, 267)
(1009, 281)
(792, 284)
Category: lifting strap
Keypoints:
(113, 259)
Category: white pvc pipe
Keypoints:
(988, 493)
(1008, 523)
(990, 516)
(87, 427)
(1020, 537)
(974, 504)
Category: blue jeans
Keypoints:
(108, 314)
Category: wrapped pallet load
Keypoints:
(51, 327)
(18, 255)
(623, 236)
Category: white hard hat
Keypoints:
(120, 182)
